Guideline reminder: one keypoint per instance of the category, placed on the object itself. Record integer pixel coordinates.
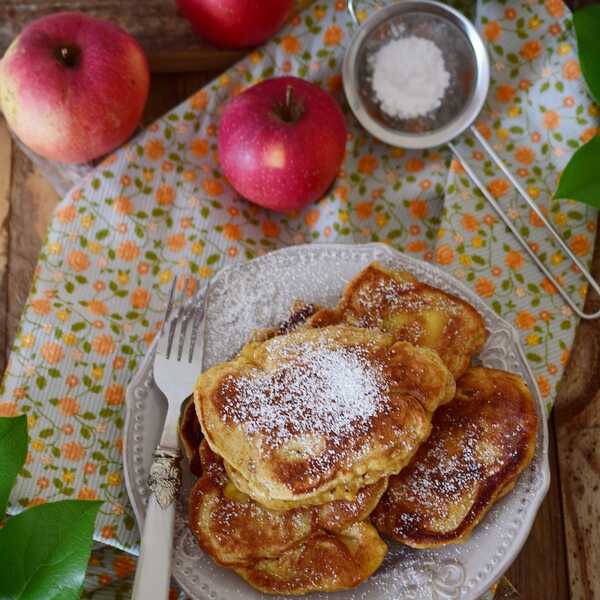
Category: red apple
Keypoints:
(281, 143)
(236, 23)
(72, 87)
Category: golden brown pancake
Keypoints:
(479, 444)
(324, 562)
(190, 435)
(317, 410)
(234, 530)
(397, 303)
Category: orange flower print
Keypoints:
(514, 259)
(97, 307)
(123, 205)
(544, 386)
(176, 242)
(41, 306)
(484, 129)
(108, 533)
(165, 195)
(444, 255)
(535, 220)
(364, 210)
(530, 50)
(551, 119)
(418, 209)
(524, 155)
(8, 409)
(154, 149)
(232, 232)
(510, 14)
(505, 93)
(123, 565)
(199, 147)
(66, 214)
(416, 246)
(492, 31)
(470, 222)
(312, 217)
(140, 298)
(333, 35)
(524, 320)
(588, 134)
(571, 70)
(555, 8)
(73, 451)
(498, 187)
(270, 229)
(78, 261)
(104, 344)
(580, 245)
(114, 395)
(200, 100)
(52, 353)
(290, 44)
(484, 287)
(212, 187)
(68, 406)
(367, 164)
(128, 251)
(87, 494)
(548, 286)
(414, 165)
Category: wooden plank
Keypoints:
(32, 201)
(5, 180)
(168, 39)
(540, 570)
(577, 417)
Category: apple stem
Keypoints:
(68, 55)
(291, 109)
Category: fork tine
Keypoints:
(178, 302)
(198, 316)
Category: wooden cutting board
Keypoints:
(168, 39)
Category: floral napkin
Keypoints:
(160, 206)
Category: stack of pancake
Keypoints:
(346, 422)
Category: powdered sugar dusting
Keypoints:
(315, 390)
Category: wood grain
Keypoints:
(168, 39)
(5, 189)
(577, 418)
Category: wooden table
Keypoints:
(561, 558)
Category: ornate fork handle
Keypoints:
(165, 475)
(153, 574)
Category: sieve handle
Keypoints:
(352, 11)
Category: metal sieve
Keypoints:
(466, 60)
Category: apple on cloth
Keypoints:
(282, 142)
(72, 87)
(236, 23)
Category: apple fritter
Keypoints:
(480, 443)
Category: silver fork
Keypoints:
(177, 364)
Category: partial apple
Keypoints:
(282, 142)
(73, 87)
(236, 23)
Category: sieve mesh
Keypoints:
(459, 59)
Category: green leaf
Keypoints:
(13, 450)
(587, 25)
(45, 550)
(581, 178)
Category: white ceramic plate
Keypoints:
(259, 293)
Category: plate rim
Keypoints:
(140, 378)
